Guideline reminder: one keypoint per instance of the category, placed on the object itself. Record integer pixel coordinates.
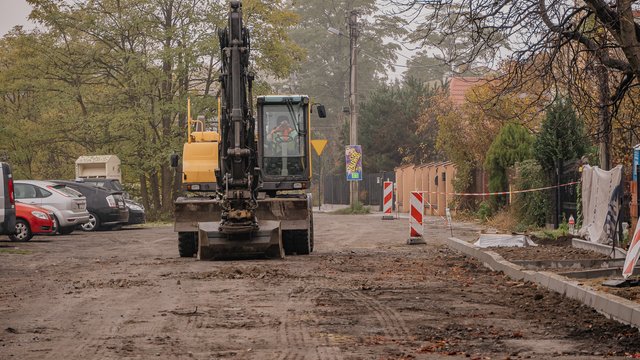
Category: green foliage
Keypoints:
(531, 208)
(427, 68)
(462, 182)
(484, 211)
(112, 77)
(355, 209)
(561, 137)
(324, 72)
(14, 251)
(513, 144)
(388, 127)
(561, 231)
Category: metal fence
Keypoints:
(336, 188)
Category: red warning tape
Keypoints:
(504, 192)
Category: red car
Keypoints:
(32, 220)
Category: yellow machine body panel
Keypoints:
(200, 161)
(205, 136)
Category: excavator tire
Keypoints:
(289, 242)
(187, 244)
(296, 242)
(304, 243)
(305, 238)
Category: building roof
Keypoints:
(94, 159)
(459, 85)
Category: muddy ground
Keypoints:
(363, 294)
(548, 249)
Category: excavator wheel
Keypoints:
(187, 244)
(305, 244)
(297, 242)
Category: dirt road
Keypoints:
(363, 294)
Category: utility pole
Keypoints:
(353, 95)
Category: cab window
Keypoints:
(284, 127)
(25, 191)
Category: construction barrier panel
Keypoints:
(415, 218)
(387, 201)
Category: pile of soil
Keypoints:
(548, 249)
(629, 293)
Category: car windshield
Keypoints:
(66, 190)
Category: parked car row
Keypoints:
(30, 207)
(136, 210)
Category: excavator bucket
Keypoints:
(215, 245)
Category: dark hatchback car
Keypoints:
(136, 210)
(106, 208)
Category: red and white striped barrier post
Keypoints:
(387, 201)
(416, 214)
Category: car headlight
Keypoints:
(135, 207)
(40, 215)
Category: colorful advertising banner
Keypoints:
(353, 158)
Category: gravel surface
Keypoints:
(363, 294)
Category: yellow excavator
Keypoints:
(248, 181)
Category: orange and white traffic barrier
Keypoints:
(387, 201)
(416, 200)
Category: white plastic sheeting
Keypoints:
(503, 240)
(601, 192)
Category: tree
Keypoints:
(112, 76)
(589, 49)
(324, 72)
(531, 208)
(513, 144)
(427, 68)
(389, 128)
(561, 137)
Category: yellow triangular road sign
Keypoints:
(319, 145)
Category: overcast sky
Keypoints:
(14, 12)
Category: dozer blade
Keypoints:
(215, 245)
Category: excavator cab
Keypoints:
(283, 142)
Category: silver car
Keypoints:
(68, 206)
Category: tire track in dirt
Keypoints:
(83, 346)
(294, 333)
(389, 320)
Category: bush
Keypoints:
(513, 144)
(484, 211)
(356, 209)
(530, 208)
(504, 220)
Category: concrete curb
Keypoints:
(620, 309)
(614, 253)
